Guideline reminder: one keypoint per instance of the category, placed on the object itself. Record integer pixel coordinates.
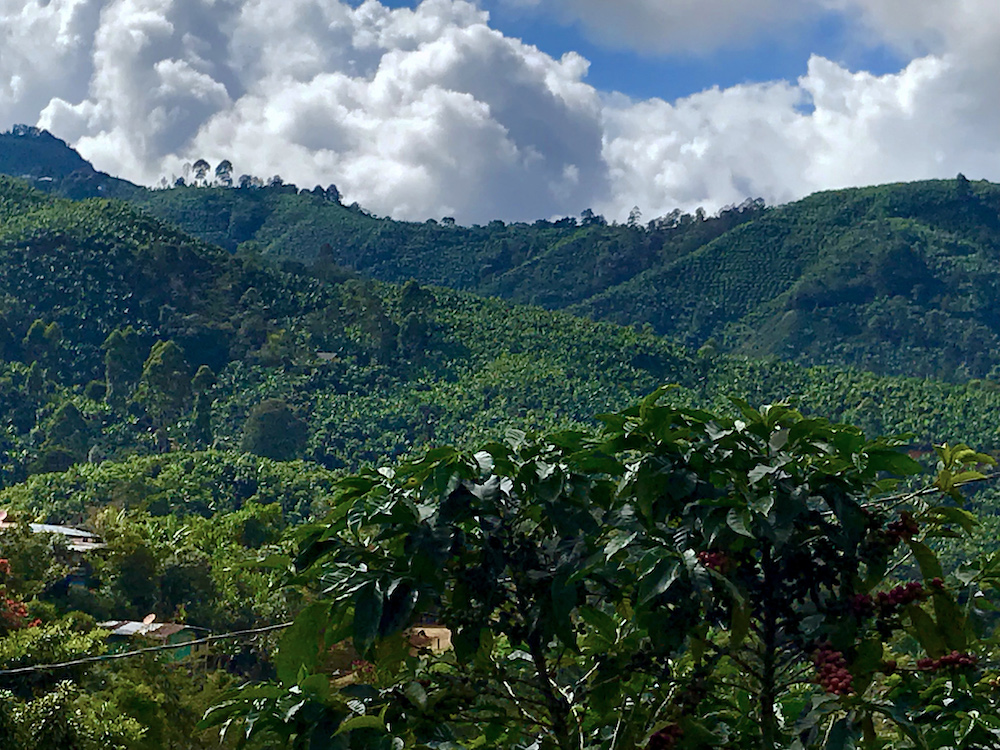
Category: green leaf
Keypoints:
(619, 540)
(300, 645)
(416, 694)
(367, 615)
(950, 619)
(762, 504)
(563, 602)
(317, 686)
(603, 624)
(740, 625)
(926, 631)
(739, 521)
(697, 734)
(749, 413)
(930, 567)
(398, 606)
(659, 579)
(893, 462)
(366, 721)
(759, 472)
(466, 642)
(843, 735)
(868, 657)
(950, 514)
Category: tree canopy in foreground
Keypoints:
(682, 580)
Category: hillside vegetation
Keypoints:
(115, 314)
(895, 279)
(207, 379)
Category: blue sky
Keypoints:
(759, 58)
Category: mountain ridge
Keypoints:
(897, 278)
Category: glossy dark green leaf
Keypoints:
(893, 462)
(367, 615)
(926, 631)
(843, 735)
(930, 567)
(740, 622)
(362, 722)
(564, 597)
(951, 620)
(950, 514)
(397, 609)
(739, 521)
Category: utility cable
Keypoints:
(139, 652)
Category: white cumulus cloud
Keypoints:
(411, 112)
(831, 128)
(431, 111)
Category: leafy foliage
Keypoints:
(274, 431)
(615, 590)
(674, 582)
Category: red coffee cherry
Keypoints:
(717, 561)
(954, 660)
(666, 738)
(831, 670)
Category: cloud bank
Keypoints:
(431, 111)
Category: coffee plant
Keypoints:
(681, 580)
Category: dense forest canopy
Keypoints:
(260, 406)
(895, 279)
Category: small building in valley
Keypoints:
(166, 633)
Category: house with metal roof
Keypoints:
(125, 631)
(78, 540)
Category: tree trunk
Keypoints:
(768, 692)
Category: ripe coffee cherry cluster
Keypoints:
(831, 670)
(666, 738)
(16, 608)
(862, 605)
(884, 603)
(904, 528)
(715, 560)
(899, 597)
(954, 660)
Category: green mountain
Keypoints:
(896, 279)
(553, 264)
(92, 289)
(51, 165)
(193, 400)
(89, 288)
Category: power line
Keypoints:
(903, 496)
(138, 652)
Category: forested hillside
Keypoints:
(896, 279)
(117, 313)
(211, 417)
